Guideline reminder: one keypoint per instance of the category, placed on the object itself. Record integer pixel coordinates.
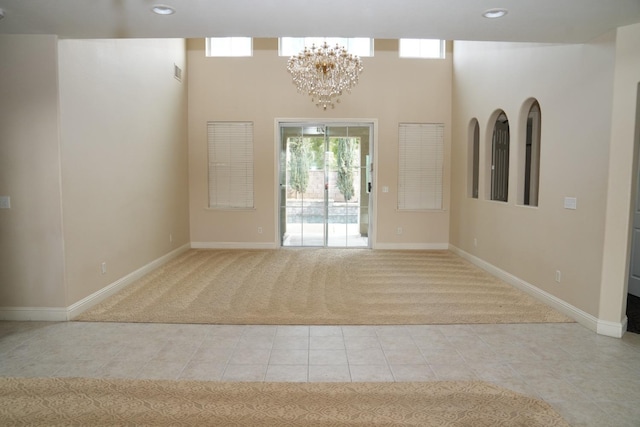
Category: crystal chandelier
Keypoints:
(324, 73)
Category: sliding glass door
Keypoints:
(325, 184)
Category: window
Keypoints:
(229, 46)
(230, 164)
(474, 157)
(422, 48)
(360, 46)
(500, 159)
(421, 158)
(532, 156)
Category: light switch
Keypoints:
(570, 203)
(385, 189)
(5, 202)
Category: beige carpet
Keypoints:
(99, 402)
(321, 287)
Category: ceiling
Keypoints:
(546, 21)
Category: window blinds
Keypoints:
(421, 157)
(230, 164)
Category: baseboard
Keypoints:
(612, 329)
(601, 327)
(26, 314)
(273, 245)
(412, 246)
(234, 245)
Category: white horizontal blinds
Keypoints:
(421, 156)
(230, 164)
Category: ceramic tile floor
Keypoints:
(590, 379)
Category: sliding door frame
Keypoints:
(373, 150)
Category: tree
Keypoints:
(299, 164)
(345, 164)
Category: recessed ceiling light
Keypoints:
(495, 13)
(161, 9)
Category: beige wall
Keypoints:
(574, 86)
(31, 248)
(124, 157)
(259, 89)
(625, 133)
(93, 154)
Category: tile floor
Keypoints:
(590, 379)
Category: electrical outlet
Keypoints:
(399, 230)
(103, 268)
(259, 230)
(475, 242)
(170, 237)
(558, 276)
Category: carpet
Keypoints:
(321, 287)
(100, 402)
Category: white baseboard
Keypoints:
(26, 314)
(61, 314)
(234, 245)
(412, 246)
(601, 327)
(612, 329)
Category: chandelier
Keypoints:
(324, 73)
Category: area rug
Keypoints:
(100, 402)
(321, 287)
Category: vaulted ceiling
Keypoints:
(547, 21)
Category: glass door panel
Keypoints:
(325, 185)
(302, 215)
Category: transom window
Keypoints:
(422, 48)
(229, 46)
(361, 46)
